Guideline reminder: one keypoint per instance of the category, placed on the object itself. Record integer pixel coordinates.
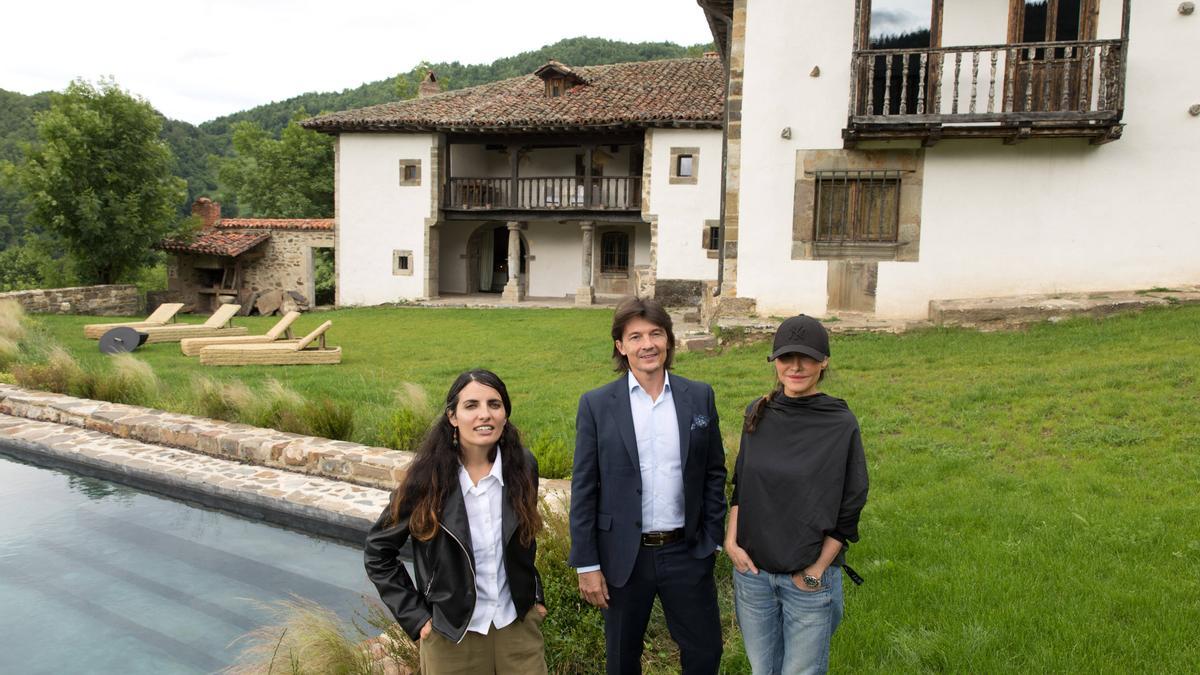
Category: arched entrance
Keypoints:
(487, 259)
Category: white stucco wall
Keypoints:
(683, 208)
(1041, 216)
(554, 271)
(377, 215)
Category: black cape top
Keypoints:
(801, 476)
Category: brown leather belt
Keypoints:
(655, 539)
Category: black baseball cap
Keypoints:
(801, 334)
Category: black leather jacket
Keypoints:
(444, 587)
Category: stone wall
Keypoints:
(111, 300)
(287, 262)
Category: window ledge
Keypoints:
(857, 250)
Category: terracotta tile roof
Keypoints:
(275, 223)
(212, 241)
(675, 92)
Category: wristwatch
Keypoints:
(811, 581)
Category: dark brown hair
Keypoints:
(640, 308)
(434, 471)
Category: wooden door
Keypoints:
(1047, 78)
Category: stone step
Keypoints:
(1000, 313)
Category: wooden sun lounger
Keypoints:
(275, 353)
(217, 325)
(159, 317)
(192, 346)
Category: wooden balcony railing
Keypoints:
(1079, 81)
(544, 193)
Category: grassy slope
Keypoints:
(1033, 503)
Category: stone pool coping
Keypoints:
(341, 460)
(309, 503)
(315, 484)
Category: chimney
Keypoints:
(208, 210)
(429, 86)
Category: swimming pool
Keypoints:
(100, 578)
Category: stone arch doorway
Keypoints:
(487, 259)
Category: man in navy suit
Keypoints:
(648, 497)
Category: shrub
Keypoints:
(555, 453)
(329, 419)
(406, 426)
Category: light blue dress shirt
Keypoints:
(657, 429)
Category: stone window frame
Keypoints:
(676, 153)
(405, 165)
(810, 164)
(402, 263)
(711, 231)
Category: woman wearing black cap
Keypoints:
(800, 484)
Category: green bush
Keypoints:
(329, 419)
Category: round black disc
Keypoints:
(121, 340)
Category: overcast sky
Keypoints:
(894, 17)
(201, 59)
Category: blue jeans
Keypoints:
(787, 630)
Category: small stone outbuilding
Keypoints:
(240, 259)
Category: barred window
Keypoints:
(614, 252)
(857, 206)
(712, 237)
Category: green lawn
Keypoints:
(1033, 498)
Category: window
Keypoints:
(614, 253)
(683, 168)
(402, 263)
(711, 237)
(410, 172)
(857, 206)
(685, 165)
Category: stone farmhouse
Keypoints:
(570, 183)
(239, 259)
(982, 148)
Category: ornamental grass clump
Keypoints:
(60, 373)
(10, 351)
(328, 419)
(306, 638)
(12, 321)
(221, 400)
(279, 407)
(407, 424)
(129, 380)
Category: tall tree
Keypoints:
(100, 179)
(291, 177)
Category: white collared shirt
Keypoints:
(657, 430)
(493, 600)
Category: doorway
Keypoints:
(1051, 78)
(487, 259)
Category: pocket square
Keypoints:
(699, 422)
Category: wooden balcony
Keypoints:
(1009, 91)
(471, 197)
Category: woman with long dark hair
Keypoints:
(469, 506)
(800, 484)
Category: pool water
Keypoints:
(100, 578)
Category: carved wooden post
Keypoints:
(514, 291)
(586, 294)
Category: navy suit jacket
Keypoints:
(606, 485)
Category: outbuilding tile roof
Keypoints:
(276, 223)
(674, 92)
(212, 241)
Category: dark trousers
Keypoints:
(689, 600)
